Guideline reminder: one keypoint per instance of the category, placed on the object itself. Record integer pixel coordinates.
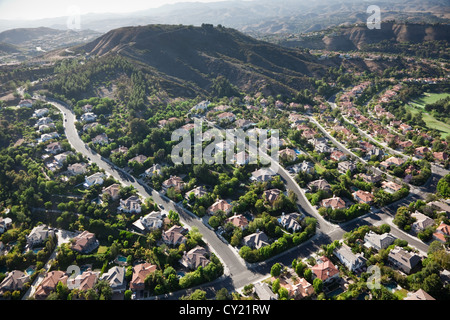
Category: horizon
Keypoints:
(27, 10)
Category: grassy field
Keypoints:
(418, 105)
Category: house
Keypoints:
(264, 292)
(334, 203)
(422, 222)
(289, 222)
(116, 279)
(323, 148)
(39, 235)
(77, 168)
(150, 222)
(338, 156)
(195, 258)
(419, 295)
(421, 152)
(395, 161)
(403, 260)
(46, 127)
(405, 127)
(154, 170)
(87, 108)
(130, 205)
(325, 270)
(238, 221)
(140, 273)
(256, 240)
(262, 175)
(88, 117)
(305, 167)
(405, 144)
(48, 136)
(113, 191)
(442, 233)
(174, 236)
(390, 186)
(84, 243)
(220, 205)
(89, 126)
(198, 192)
(14, 280)
(287, 154)
(374, 178)
(363, 196)
(440, 156)
(243, 124)
(271, 195)
(173, 182)
(43, 121)
(139, 159)
(226, 117)
(5, 223)
(94, 179)
(49, 284)
(352, 261)
(60, 158)
(120, 149)
(202, 106)
(40, 113)
(26, 103)
(242, 158)
(345, 166)
(301, 289)
(101, 139)
(440, 206)
(320, 184)
(84, 281)
(378, 241)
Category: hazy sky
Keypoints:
(38, 9)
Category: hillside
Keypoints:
(358, 36)
(198, 55)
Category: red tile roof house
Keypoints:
(195, 258)
(84, 281)
(238, 221)
(325, 270)
(390, 186)
(363, 196)
(140, 272)
(173, 182)
(421, 152)
(442, 233)
(49, 284)
(271, 195)
(334, 203)
(338, 156)
(14, 280)
(219, 205)
(440, 156)
(84, 242)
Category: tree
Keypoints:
(223, 294)
(283, 294)
(276, 286)
(318, 285)
(128, 294)
(275, 271)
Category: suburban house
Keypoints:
(198, 192)
(301, 289)
(402, 145)
(440, 156)
(116, 279)
(264, 292)
(88, 117)
(390, 186)
(378, 241)
(221, 205)
(173, 182)
(174, 236)
(77, 168)
(101, 139)
(84, 281)
(338, 156)
(334, 203)
(305, 167)
(46, 127)
(195, 258)
(154, 170)
(422, 222)
(323, 148)
(243, 124)
(130, 205)
(202, 106)
(353, 262)
(419, 295)
(442, 233)
(14, 280)
(421, 152)
(392, 161)
(84, 243)
(49, 284)
(120, 149)
(403, 260)
(150, 222)
(238, 221)
(5, 223)
(60, 158)
(226, 117)
(242, 158)
(42, 121)
(39, 235)
(325, 270)
(345, 166)
(287, 154)
(271, 195)
(94, 179)
(439, 206)
(113, 191)
(262, 175)
(139, 159)
(140, 273)
(26, 103)
(289, 222)
(363, 196)
(256, 240)
(370, 178)
(320, 184)
(48, 136)
(89, 126)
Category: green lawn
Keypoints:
(418, 105)
(319, 168)
(102, 249)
